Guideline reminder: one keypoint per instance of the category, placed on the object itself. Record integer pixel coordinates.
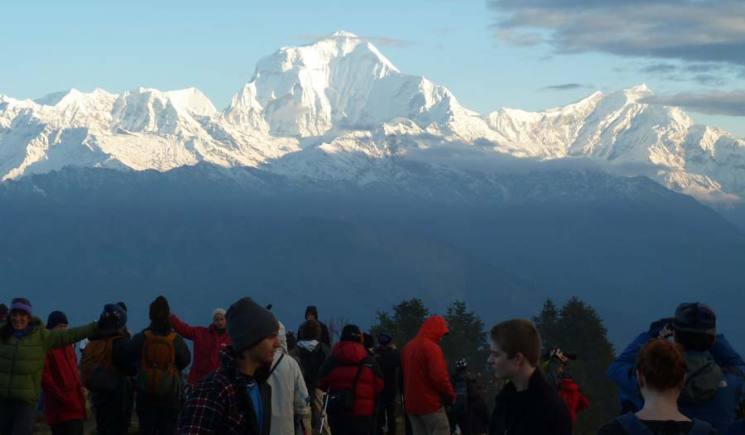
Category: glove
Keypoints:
(662, 328)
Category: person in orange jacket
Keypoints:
(64, 400)
(427, 386)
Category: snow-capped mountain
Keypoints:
(339, 109)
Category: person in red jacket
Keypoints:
(573, 398)
(208, 342)
(427, 380)
(352, 380)
(64, 400)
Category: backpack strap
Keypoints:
(700, 427)
(274, 367)
(632, 425)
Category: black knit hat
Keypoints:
(159, 309)
(56, 318)
(248, 323)
(695, 317)
(351, 333)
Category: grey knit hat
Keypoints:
(248, 323)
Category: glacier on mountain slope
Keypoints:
(338, 109)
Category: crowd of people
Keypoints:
(249, 375)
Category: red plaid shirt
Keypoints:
(220, 403)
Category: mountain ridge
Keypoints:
(330, 107)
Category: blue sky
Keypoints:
(528, 54)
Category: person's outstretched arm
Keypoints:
(182, 328)
(64, 337)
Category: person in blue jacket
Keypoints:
(715, 384)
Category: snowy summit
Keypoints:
(333, 108)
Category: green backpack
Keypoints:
(703, 379)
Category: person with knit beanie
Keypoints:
(24, 344)
(353, 380)
(160, 356)
(208, 343)
(236, 398)
(64, 400)
(110, 381)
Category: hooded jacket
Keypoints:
(339, 371)
(64, 399)
(22, 359)
(289, 394)
(311, 354)
(208, 342)
(220, 404)
(425, 371)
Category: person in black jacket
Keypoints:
(527, 405)
(159, 395)
(113, 406)
(311, 353)
(311, 313)
(469, 410)
(389, 359)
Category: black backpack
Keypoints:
(310, 365)
(341, 401)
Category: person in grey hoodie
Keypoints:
(289, 394)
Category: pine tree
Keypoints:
(579, 329)
(466, 339)
(405, 321)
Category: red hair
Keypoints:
(662, 364)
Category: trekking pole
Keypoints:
(323, 412)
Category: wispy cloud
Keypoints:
(565, 87)
(687, 30)
(712, 103)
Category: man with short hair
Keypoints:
(714, 385)
(527, 404)
(236, 398)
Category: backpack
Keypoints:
(310, 365)
(703, 380)
(633, 426)
(342, 401)
(97, 367)
(158, 374)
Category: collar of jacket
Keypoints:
(536, 384)
(229, 366)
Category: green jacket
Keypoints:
(22, 360)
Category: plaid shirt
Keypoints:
(220, 404)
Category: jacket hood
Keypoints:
(282, 336)
(349, 352)
(309, 345)
(434, 328)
